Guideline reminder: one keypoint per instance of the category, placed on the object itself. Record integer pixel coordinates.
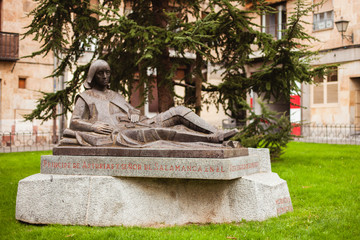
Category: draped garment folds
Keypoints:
(177, 126)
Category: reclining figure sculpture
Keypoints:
(103, 117)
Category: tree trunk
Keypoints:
(165, 87)
(198, 83)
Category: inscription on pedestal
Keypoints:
(192, 168)
(283, 205)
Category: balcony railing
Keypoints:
(9, 46)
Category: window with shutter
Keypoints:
(325, 90)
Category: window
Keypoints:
(323, 17)
(22, 82)
(324, 20)
(325, 89)
(273, 23)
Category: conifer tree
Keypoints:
(141, 40)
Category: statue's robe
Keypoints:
(174, 125)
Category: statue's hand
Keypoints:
(134, 118)
(103, 128)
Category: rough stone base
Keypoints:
(109, 201)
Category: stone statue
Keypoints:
(102, 117)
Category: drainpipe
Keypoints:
(61, 109)
(263, 20)
(54, 139)
(280, 9)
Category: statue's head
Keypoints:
(99, 73)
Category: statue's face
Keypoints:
(102, 76)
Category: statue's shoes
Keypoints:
(221, 136)
(229, 134)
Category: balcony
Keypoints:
(9, 46)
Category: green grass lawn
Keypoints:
(324, 184)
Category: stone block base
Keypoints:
(112, 201)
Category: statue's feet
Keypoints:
(230, 133)
(221, 136)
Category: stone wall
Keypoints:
(17, 101)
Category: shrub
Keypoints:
(268, 130)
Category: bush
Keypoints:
(268, 130)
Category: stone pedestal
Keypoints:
(61, 195)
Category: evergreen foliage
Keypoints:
(141, 40)
(216, 31)
(268, 130)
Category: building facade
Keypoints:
(21, 79)
(335, 98)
